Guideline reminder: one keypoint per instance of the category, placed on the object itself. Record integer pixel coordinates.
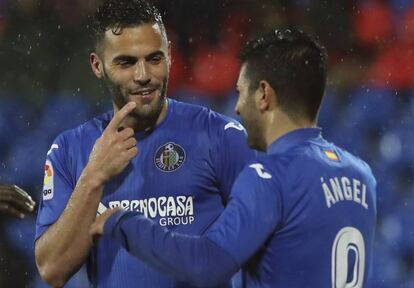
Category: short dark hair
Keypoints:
(295, 66)
(119, 14)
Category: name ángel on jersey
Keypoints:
(339, 189)
(172, 210)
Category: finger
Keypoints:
(94, 233)
(120, 116)
(126, 133)
(16, 199)
(18, 204)
(130, 143)
(131, 153)
(11, 211)
(109, 212)
(24, 194)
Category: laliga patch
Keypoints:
(169, 157)
(48, 181)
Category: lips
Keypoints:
(144, 94)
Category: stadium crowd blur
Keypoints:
(46, 86)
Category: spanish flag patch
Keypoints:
(331, 155)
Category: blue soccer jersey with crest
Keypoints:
(303, 215)
(181, 179)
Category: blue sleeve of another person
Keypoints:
(249, 219)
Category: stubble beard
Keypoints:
(146, 116)
(255, 135)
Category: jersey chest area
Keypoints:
(171, 180)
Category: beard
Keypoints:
(255, 135)
(146, 113)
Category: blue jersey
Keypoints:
(314, 214)
(181, 179)
(301, 216)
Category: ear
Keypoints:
(266, 96)
(96, 65)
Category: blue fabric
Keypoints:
(181, 179)
(166, 249)
(287, 222)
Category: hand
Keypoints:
(14, 201)
(115, 148)
(97, 227)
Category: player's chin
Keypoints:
(255, 142)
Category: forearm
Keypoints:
(62, 249)
(186, 258)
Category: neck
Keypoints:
(279, 124)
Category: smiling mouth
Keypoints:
(145, 92)
(144, 95)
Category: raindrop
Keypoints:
(390, 146)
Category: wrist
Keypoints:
(91, 179)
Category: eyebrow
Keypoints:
(124, 58)
(156, 53)
(134, 59)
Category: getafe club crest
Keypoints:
(169, 157)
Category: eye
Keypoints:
(156, 59)
(125, 63)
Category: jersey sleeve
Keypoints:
(250, 218)
(252, 214)
(58, 185)
(186, 258)
(230, 152)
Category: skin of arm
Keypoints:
(62, 249)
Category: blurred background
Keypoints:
(46, 86)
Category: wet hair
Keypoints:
(115, 15)
(294, 64)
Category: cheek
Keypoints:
(241, 104)
(160, 72)
(122, 76)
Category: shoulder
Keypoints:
(200, 115)
(86, 132)
(359, 165)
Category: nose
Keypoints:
(141, 75)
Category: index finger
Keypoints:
(24, 194)
(120, 116)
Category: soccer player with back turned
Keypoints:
(171, 161)
(303, 215)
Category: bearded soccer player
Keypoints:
(303, 215)
(173, 162)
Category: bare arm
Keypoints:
(62, 249)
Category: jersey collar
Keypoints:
(293, 138)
